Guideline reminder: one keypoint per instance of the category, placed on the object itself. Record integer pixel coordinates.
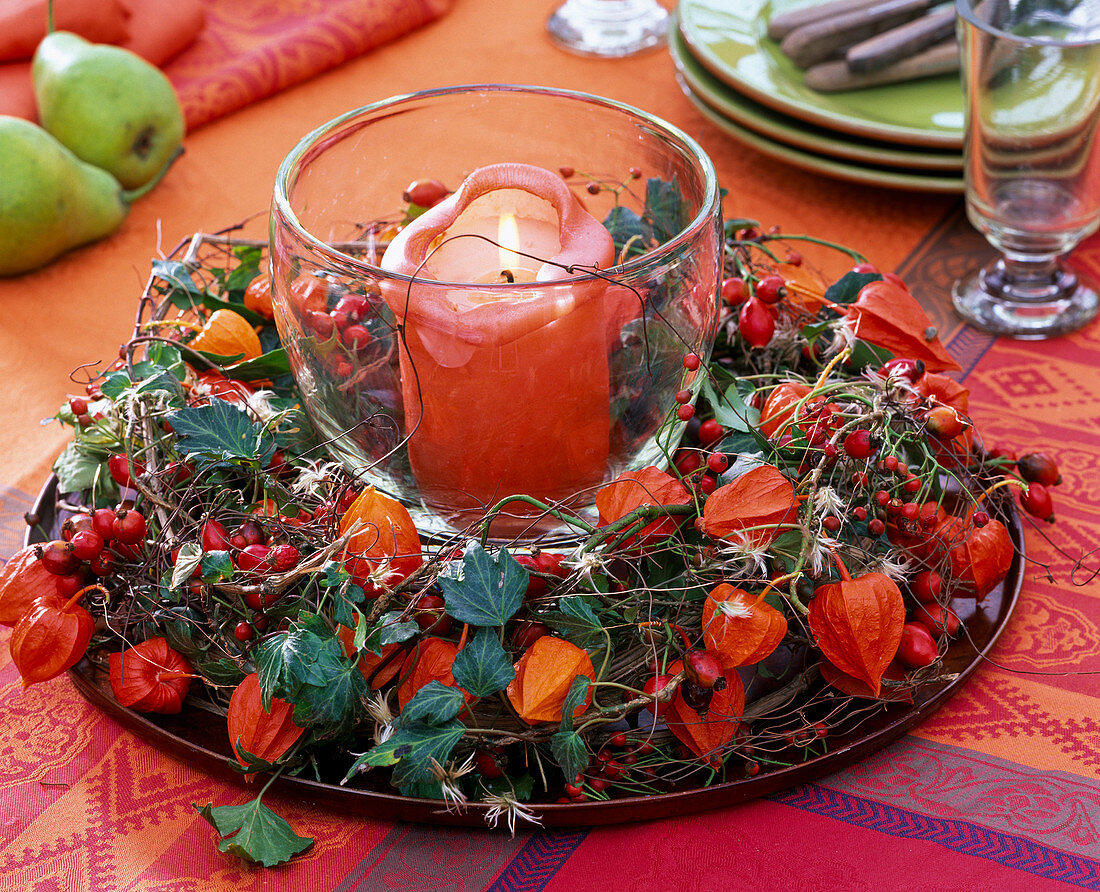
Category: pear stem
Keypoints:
(49, 17)
(129, 196)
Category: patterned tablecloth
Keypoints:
(999, 789)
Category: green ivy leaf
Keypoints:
(490, 590)
(221, 431)
(254, 832)
(411, 749)
(272, 364)
(664, 208)
(573, 699)
(482, 667)
(569, 752)
(845, 290)
(433, 704)
(216, 566)
(77, 470)
(576, 622)
(730, 410)
(336, 704)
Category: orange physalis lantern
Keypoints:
(544, 675)
(939, 390)
(740, 627)
(50, 638)
(228, 334)
(266, 735)
(23, 580)
(648, 486)
(431, 661)
(888, 316)
(705, 734)
(982, 560)
(150, 677)
(385, 534)
(753, 508)
(857, 624)
(369, 663)
(778, 410)
(853, 687)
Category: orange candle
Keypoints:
(505, 387)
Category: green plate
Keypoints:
(728, 38)
(763, 120)
(867, 174)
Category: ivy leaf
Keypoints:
(254, 832)
(623, 224)
(664, 208)
(412, 749)
(569, 752)
(290, 660)
(577, 691)
(272, 364)
(433, 704)
(76, 469)
(222, 431)
(482, 667)
(182, 290)
(576, 622)
(216, 566)
(730, 410)
(188, 558)
(336, 704)
(846, 289)
(489, 591)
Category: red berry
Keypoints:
(243, 631)
(687, 461)
(103, 522)
(926, 586)
(1038, 467)
(980, 519)
(917, 648)
(859, 444)
(321, 322)
(252, 533)
(771, 289)
(550, 562)
(119, 468)
(937, 619)
(67, 586)
(691, 361)
(528, 632)
(129, 526)
(734, 291)
(86, 544)
(865, 268)
(57, 557)
(831, 523)
(356, 336)
(710, 432)
(78, 405)
(654, 684)
(487, 765)
(707, 484)
(103, 564)
(859, 513)
(685, 413)
(876, 527)
(284, 558)
(253, 559)
(756, 323)
(214, 536)
(425, 193)
(944, 423)
(909, 369)
(718, 462)
(428, 613)
(703, 668)
(1036, 501)
(76, 524)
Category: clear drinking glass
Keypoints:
(1031, 78)
(451, 416)
(608, 27)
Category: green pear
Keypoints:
(50, 200)
(108, 105)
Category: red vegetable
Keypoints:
(150, 677)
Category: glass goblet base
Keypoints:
(609, 28)
(1033, 309)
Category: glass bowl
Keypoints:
(453, 396)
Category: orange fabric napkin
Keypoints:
(219, 56)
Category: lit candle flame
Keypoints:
(508, 240)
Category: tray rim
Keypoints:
(895, 719)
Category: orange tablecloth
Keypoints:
(999, 789)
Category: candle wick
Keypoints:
(507, 276)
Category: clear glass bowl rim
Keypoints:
(288, 170)
(965, 9)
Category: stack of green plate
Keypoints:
(906, 135)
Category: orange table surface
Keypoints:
(1001, 788)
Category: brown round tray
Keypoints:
(199, 738)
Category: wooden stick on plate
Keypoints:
(898, 43)
(834, 77)
(820, 40)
